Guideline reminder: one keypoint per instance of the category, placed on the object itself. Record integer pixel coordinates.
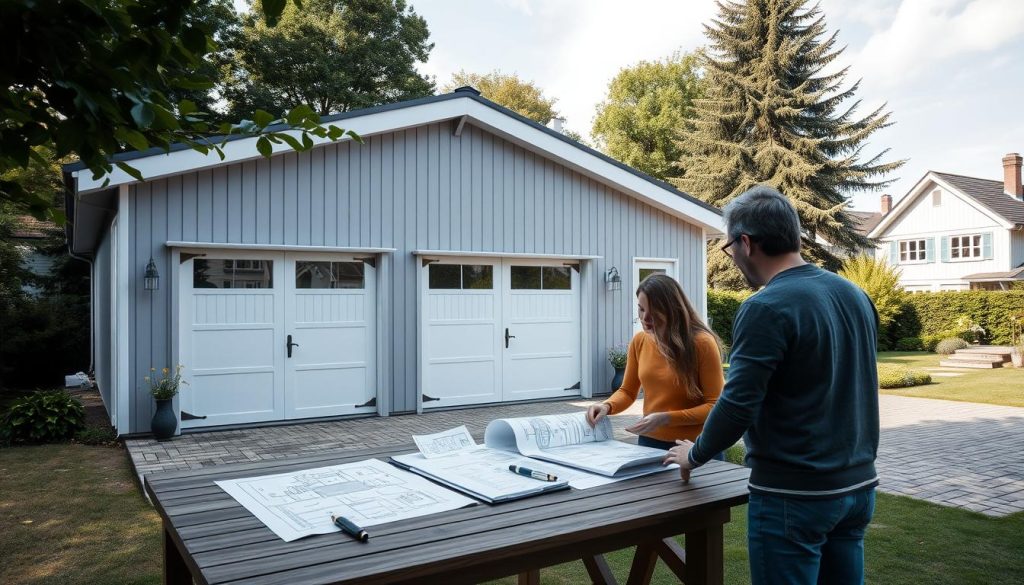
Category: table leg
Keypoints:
(175, 570)
(674, 556)
(600, 573)
(704, 557)
(643, 564)
(531, 577)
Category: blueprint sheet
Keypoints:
(370, 492)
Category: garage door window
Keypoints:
(309, 274)
(461, 276)
(232, 273)
(541, 278)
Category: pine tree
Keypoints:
(773, 115)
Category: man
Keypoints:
(802, 391)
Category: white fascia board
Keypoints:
(183, 161)
(276, 248)
(592, 166)
(471, 254)
(918, 190)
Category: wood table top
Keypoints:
(222, 542)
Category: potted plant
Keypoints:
(164, 389)
(617, 358)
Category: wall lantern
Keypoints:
(152, 276)
(612, 279)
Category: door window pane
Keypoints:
(645, 272)
(557, 278)
(445, 276)
(477, 276)
(232, 273)
(526, 277)
(310, 274)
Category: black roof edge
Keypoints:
(462, 92)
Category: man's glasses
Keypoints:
(727, 247)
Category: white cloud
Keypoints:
(928, 33)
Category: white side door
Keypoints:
(232, 312)
(644, 267)
(329, 335)
(461, 321)
(541, 334)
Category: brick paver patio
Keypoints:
(951, 453)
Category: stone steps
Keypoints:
(978, 357)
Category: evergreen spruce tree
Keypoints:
(772, 115)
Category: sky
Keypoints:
(950, 71)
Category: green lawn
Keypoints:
(1003, 386)
(72, 514)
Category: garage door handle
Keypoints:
(291, 345)
(507, 337)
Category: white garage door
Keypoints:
(273, 336)
(499, 330)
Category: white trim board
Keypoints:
(278, 248)
(519, 132)
(504, 255)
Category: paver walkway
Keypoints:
(951, 453)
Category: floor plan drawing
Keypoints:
(444, 442)
(368, 492)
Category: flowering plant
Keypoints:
(166, 386)
(617, 356)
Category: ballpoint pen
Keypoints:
(531, 473)
(350, 528)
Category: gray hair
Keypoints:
(767, 217)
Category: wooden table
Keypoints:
(211, 538)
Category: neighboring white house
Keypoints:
(29, 234)
(952, 232)
(461, 255)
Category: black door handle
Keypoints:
(290, 345)
(507, 337)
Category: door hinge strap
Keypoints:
(575, 386)
(370, 402)
(190, 416)
(429, 398)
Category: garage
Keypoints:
(499, 329)
(271, 335)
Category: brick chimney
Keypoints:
(886, 204)
(1011, 175)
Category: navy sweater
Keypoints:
(802, 388)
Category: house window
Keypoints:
(541, 278)
(965, 247)
(310, 274)
(912, 251)
(936, 198)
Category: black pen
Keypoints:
(349, 527)
(531, 473)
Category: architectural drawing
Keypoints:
(445, 442)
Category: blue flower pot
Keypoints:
(617, 378)
(165, 422)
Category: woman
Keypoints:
(678, 362)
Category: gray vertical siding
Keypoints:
(421, 188)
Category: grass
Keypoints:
(73, 514)
(1004, 386)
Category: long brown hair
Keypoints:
(676, 338)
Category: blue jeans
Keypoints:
(804, 542)
(644, 441)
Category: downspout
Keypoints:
(69, 208)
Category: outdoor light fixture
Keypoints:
(612, 279)
(152, 276)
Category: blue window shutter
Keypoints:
(945, 248)
(929, 250)
(986, 245)
(894, 253)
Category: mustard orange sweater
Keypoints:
(647, 367)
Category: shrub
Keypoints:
(950, 344)
(881, 282)
(897, 376)
(991, 310)
(42, 417)
(909, 344)
(722, 308)
(97, 435)
(928, 342)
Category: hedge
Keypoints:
(897, 376)
(722, 307)
(928, 316)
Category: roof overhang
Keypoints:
(918, 190)
(154, 164)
